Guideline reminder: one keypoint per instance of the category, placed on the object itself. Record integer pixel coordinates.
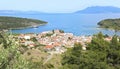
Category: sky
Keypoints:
(54, 6)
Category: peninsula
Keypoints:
(18, 23)
(110, 24)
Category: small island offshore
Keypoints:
(18, 23)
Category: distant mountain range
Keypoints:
(19, 12)
(89, 10)
(100, 9)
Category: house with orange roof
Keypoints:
(48, 47)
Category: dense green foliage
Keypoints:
(100, 54)
(16, 22)
(12, 55)
(110, 24)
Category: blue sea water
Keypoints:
(78, 24)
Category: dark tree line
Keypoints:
(100, 54)
(17, 22)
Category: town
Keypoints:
(55, 41)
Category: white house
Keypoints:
(26, 37)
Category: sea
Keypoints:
(76, 23)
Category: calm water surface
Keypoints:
(78, 24)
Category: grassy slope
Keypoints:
(17, 22)
(36, 55)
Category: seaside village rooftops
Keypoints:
(55, 41)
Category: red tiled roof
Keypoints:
(56, 44)
(49, 46)
(32, 44)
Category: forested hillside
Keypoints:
(110, 24)
(17, 22)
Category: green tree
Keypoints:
(98, 43)
(100, 54)
(114, 53)
(71, 57)
(10, 56)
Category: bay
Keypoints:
(78, 24)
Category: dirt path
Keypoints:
(48, 58)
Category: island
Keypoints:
(110, 24)
(99, 9)
(19, 23)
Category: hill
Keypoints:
(17, 22)
(100, 9)
(110, 24)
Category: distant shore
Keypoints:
(28, 27)
(8, 23)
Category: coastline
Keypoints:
(27, 27)
(107, 29)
